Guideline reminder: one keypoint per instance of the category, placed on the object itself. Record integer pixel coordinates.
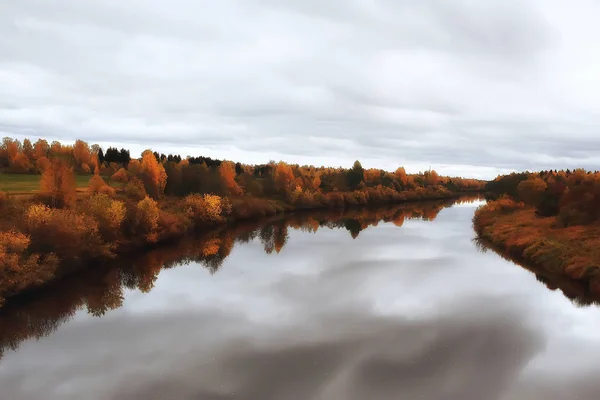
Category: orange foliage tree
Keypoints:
(530, 191)
(41, 149)
(120, 176)
(153, 175)
(58, 184)
(227, 174)
(97, 185)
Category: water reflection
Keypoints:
(101, 289)
(583, 293)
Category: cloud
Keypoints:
(341, 355)
(466, 88)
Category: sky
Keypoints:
(471, 88)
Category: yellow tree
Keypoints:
(153, 174)
(58, 184)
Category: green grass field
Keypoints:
(24, 183)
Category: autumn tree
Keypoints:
(19, 164)
(42, 163)
(227, 174)
(13, 147)
(531, 190)
(58, 184)
(283, 177)
(120, 176)
(98, 185)
(316, 183)
(28, 149)
(108, 212)
(372, 176)
(135, 189)
(153, 175)
(83, 156)
(147, 214)
(41, 149)
(431, 178)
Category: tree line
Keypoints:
(572, 196)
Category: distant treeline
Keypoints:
(572, 196)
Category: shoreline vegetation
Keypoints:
(130, 205)
(549, 220)
(101, 289)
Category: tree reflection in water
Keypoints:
(582, 293)
(101, 289)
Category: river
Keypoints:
(393, 303)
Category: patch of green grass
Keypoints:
(25, 183)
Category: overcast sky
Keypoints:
(468, 87)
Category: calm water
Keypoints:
(327, 307)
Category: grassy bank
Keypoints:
(20, 184)
(515, 229)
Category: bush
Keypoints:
(70, 235)
(147, 214)
(203, 210)
(172, 225)
(120, 176)
(135, 189)
(19, 269)
(108, 212)
(250, 207)
(97, 185)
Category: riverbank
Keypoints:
(515, 229)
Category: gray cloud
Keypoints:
(473, 88)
